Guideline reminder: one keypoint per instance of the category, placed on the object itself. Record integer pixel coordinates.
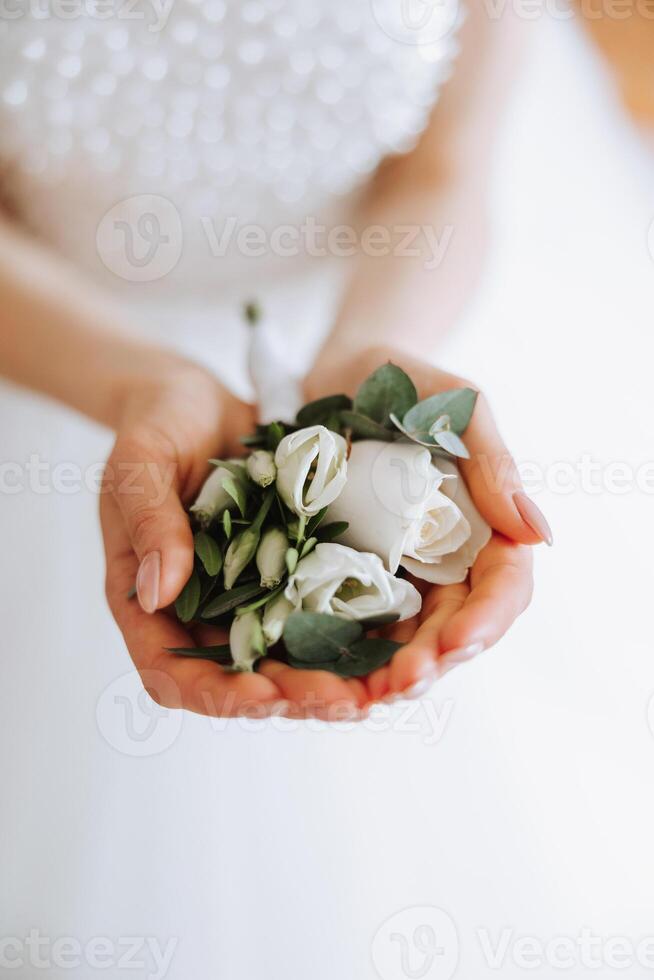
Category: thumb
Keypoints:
(494, 482)
(144, 482)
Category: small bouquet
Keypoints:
(310, 541)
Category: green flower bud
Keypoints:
(261, 467)
(240, 553)
(271, 557)
(246, 641)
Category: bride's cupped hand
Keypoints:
(168, 427)
(459, 621)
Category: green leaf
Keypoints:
(318, 637)
(314, 522)
(388, 390)
(362, 658)
(459, 404)
(227, 524)
(235, 489)
(319, 411)
(230, 599)
(333, 530)
(376, 622)
(207, 550)
(365, 428)
(189, 599)
(365, 656)
(274, 435)
(451, 443)
(219, 654)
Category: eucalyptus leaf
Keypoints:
(219, 654)
(388, 389)
(364, 428)
(376, 622)
(362, 658)
(318, 637)
(230, 599)
(319, 411)
(188, 600)
(207, 550)
(451, 443)
(459, 404)
(365, 656)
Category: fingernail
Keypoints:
(420, 688)
(533, 516)
(461, 655)
(147, 582)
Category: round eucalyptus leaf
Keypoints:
(318, 637)
(388, 389)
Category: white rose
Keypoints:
(311, 469)
(213, 499)
(410, 511)
(343, 582)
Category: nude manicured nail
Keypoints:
(147, 582)
(461, 655)
(420, 688)
(533, 516)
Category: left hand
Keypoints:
(456, 621)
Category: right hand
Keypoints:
(168, 427)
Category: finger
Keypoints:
(315, 693)
(495, 485)
(175, 681)
(501, 581)
(143, 477)
(416, 661)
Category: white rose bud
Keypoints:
(410, 511)
(275, 614)
(213, 499)
(246, 641)
(337, 580)
(271, 557)
(311, 469)
(261, 467)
